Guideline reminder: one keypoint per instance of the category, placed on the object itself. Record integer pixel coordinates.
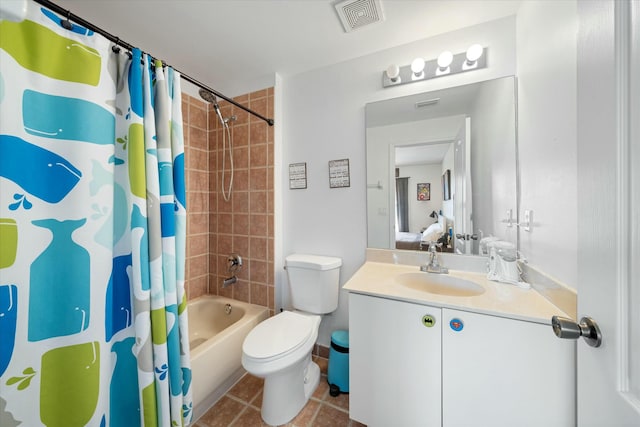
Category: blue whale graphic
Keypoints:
(8, 315)
(38, 171)
(59, 117)
(125, 410)
(118, 313)
(179, 186)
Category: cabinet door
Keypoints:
(394, 355)
(504, 372)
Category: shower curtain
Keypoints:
(93, 323)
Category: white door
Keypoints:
(462, 195)
(608, 383)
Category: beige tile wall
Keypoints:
(217, 228)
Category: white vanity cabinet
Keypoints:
(492, 372)
(505, 372)
(394, 363)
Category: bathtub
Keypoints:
(215, 341)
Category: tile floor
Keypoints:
(240, 407)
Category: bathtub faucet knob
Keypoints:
(235, 263)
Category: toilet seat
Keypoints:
(278, 336)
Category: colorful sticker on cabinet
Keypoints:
(456, 324)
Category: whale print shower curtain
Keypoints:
(93, 325)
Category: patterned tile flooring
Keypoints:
(240, 407)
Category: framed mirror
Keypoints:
(460, 142)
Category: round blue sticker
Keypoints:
(456, 324)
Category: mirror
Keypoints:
(441, 166)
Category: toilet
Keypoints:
(279, 348)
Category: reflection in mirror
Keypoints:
(452, 152)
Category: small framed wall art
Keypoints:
(424, 191)
(339, 173)
(297, 176)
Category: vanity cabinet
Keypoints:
(455, 368)
(394, 362)
(505, 372)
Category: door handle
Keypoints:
(587, 329)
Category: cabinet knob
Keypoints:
(568, 329)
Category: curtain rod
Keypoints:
(72, 17)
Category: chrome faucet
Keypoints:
(434, 265)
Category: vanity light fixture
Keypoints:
(473, 54)
(417, 68)
(447, 63)
(393, 73)
(444, 63)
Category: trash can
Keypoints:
(338, 369)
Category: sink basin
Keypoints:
(441, 284)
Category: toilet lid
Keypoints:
(278, 334)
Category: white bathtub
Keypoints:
(215, 340)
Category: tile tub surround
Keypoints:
(244, 224)
(240, 407)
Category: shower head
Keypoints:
(209, 97)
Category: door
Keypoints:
(608, 88)
(462, 195)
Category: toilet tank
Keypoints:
(314, 281)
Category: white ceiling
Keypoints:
(237, 46)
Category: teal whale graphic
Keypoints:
(125, 409)
(38, 171)
(118, 312)
(59, 298)
(69, 385)
(41, 50)
(60, 117)
(8, 315)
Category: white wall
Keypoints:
(546, 46)
(493, 147)
(323, 119)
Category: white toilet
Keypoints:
(279, 348)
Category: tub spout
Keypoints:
(229, 281)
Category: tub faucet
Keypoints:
(229, 281)
(434, 265)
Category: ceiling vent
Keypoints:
(355, 14)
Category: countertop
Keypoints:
(499, 299)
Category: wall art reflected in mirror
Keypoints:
(460, 140)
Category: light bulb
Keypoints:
(445, 59)
(474, 53)
(417, 66)
(393, 73)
